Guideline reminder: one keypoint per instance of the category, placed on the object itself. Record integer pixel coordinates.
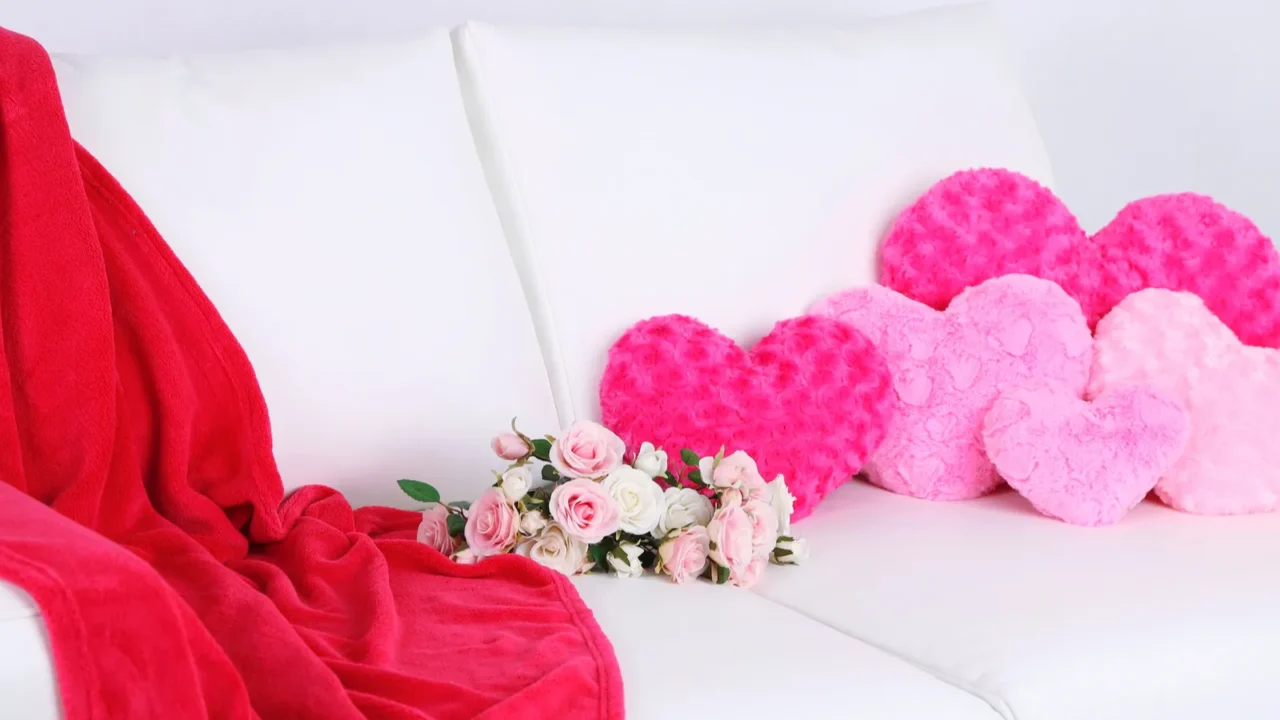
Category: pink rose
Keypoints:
(730, 531)
(684, 557)
(491, 524)
(587, 450)
(764, 527)
(584, 510)
(434, 529)
(510, 446)
(749, 575)
(738, 471)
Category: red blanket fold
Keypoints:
(142, 510)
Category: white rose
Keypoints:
(638, 498)
(790, 551)
(624, 560)
(466, 557)
(684, 507)
(707, 469)
(516, 482)
(532, 523)
(783, 502)
(556, 550)
(651, 461)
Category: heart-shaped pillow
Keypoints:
(810, 401)
(949, 367)
(980, 224)
(1086, 463)
(1170, 340)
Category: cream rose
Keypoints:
(682, 507)
(638, 498)
(684, 556)
(730, 532)
(764, 527)
(584, 510)
(556, 550)
(532, 523)
(491, 524)
(465, 556)
(651, 461)
(791, 551)
(587, 450)
(434, 529)
(624, 560)
(516, 482)
(783, 502)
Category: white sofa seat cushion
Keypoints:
(1164, 616)
(28, 684)
(737, 175)
(702, 650)
(331, 203)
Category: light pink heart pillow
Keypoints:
(810, 401)
(979, 224)
(1086, 463)
(1170, 340)
(948, 367)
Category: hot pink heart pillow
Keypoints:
(1087, 463)
(809, 402)
(1171, 341)
(981, 224)
(948, 367)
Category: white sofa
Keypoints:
(418, 238)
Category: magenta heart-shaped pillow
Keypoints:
(949, 367)
(810, 401)
(1086, 463)
(980, 224)
(1171, 341)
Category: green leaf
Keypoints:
(550, 474)
(689, 457)
(542, 449)
(671, 480)
(462, 504)
(456, 524)
(420, 491)
(722, 575)
(713, 546)
(781, 552)
(695, 477)
(598, 554)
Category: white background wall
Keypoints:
(1133, 96)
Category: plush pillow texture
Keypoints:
(1171, 341)
(1086, 463)
(980, 224)
(810, 401)
(949, 367)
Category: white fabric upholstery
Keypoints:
(331, 203)
(734, 176)
(1164, 616)
(28, 689)
(702, 651)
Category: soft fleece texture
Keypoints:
(949, 367)
(1171, 341)
(980, 224)
(1086, 463)
(142, 510)
(809, 402)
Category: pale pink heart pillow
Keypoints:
(1171, 341)
(1086, 463)
(949, 367)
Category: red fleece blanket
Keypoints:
(142, 510)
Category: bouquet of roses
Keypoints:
(575, 505)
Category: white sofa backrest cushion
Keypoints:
(330, 202)
(737, 176)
